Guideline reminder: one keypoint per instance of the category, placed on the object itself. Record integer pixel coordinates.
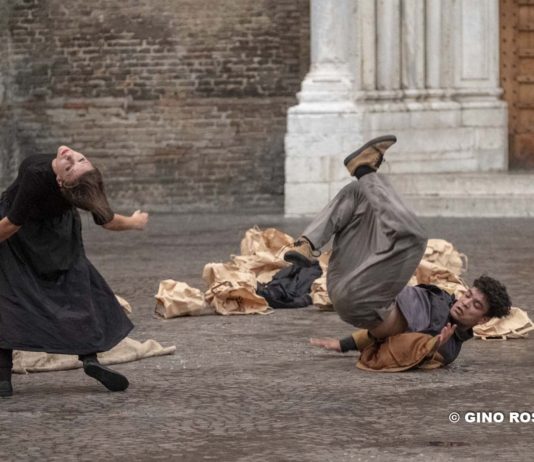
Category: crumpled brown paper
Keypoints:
(231, 286)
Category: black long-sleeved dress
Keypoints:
(51, 297)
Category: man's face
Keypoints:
(470, 309)
(70, 165)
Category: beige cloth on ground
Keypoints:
(516, 325)
(125, 351)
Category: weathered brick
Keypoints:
(182, 103)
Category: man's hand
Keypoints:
(445, 334)
(326, 343)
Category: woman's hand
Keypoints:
(136, 220)
(327, 343)
(7, 229)
(139, 220)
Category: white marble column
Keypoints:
(326, 124)
(368, 41)
(330, 80)
(425, 70)
(413, 49)
(434, 41)
(388, 45)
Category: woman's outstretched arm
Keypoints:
(137, 220)
(7, 229)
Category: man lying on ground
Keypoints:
(378, 243)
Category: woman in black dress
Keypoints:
(52, 299)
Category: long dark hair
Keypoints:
(87, 193)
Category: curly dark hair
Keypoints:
(496, 294)
(87, 193)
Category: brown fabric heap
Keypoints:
(231, 286)
(400, 353)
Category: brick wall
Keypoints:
(8, 153)
(182, 103)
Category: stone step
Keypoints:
(432, 162)
(501, 194)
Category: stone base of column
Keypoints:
(318, 138)
(438, 137)
(433, 137)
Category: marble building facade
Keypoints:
(425, 70)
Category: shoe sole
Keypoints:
(112, 380)
(380, 139)
(297, 259)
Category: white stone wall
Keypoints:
(426, 71)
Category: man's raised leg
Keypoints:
(378, 241)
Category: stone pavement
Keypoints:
(249, 388)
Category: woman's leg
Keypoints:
(6, 365)
(111, 379)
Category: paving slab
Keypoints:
(250, 388)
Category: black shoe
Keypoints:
(111, 379)
(6, 389)
(301, 253)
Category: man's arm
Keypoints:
(7, 229)
(448, 344)
(137, 221)
(327, 343)
(358, 341)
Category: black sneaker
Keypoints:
(111, 379)
(301, 253)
